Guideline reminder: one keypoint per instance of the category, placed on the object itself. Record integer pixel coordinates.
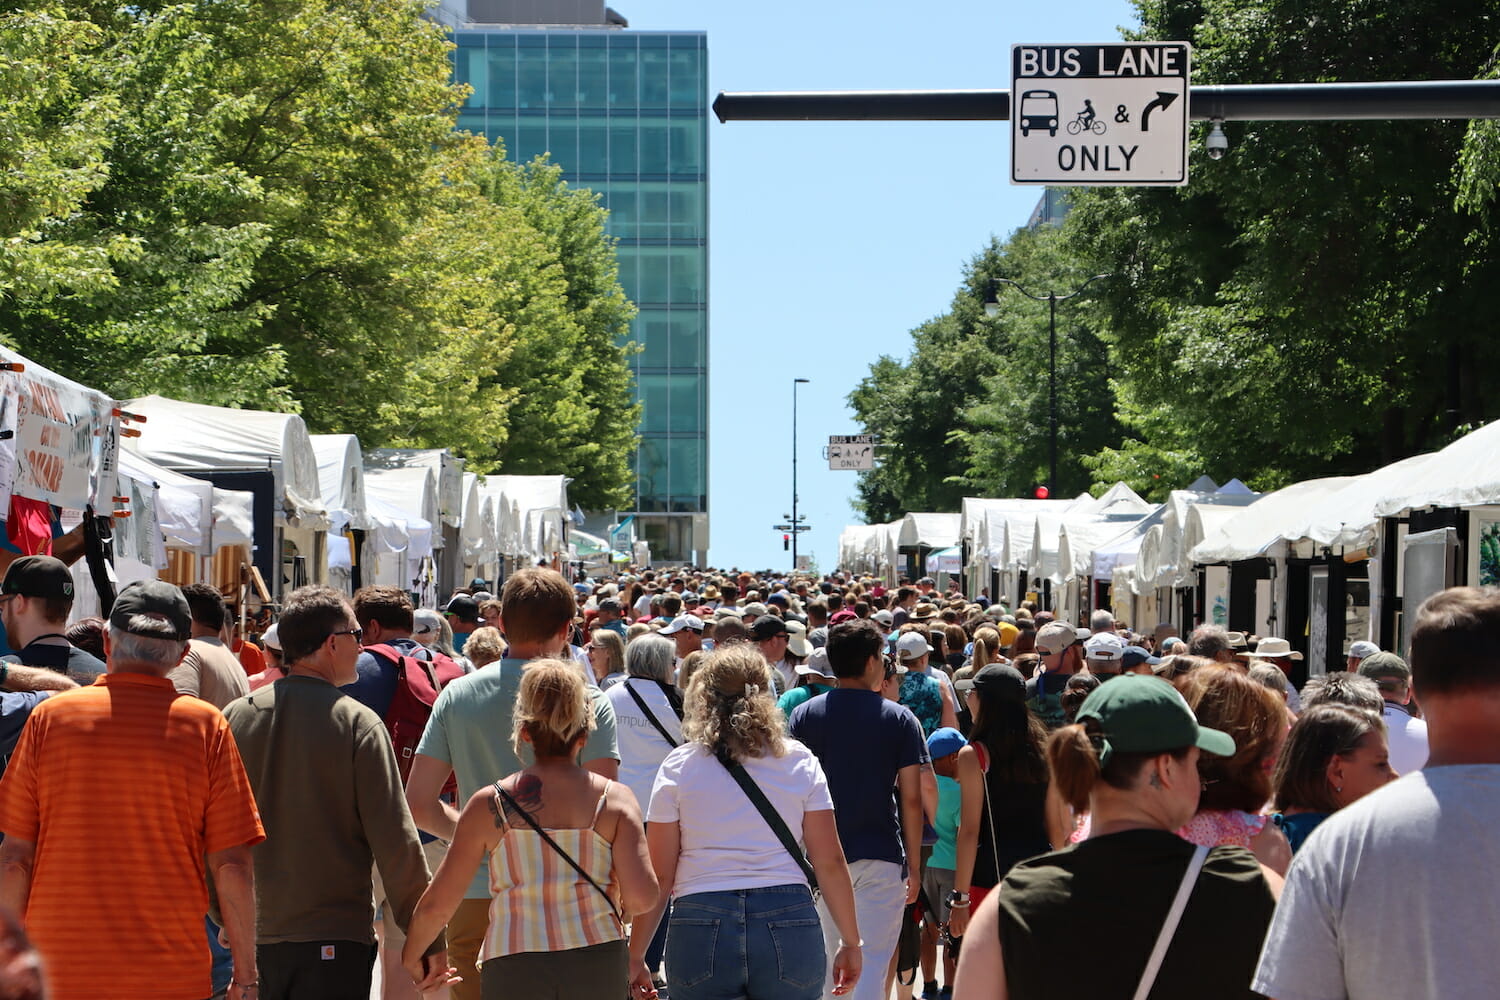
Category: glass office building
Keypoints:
(625, 113)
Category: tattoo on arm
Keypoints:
(495, 811)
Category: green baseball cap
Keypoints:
(1141, 714)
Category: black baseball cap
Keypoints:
(39, 576)
(155, 599)
(464, 608)
(998, 680)
(767, 627)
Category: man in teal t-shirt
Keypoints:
(469, 734)
(937, 874)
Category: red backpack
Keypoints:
(417, 686)
(447, 671)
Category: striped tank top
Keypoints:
(539, 902)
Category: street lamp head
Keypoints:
(802, 381)
(991, 308)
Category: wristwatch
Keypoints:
(956, 898)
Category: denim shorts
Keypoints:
(762, 944)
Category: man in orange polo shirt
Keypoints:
(129, 763)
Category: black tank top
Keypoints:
(1107, 898)
(1020, 813)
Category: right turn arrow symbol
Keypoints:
(1163, 100)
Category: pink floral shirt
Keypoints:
(1220, 827)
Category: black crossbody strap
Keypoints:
(650, 715)
(556, 847)
(673, 696)
(772, 817)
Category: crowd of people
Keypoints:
(703, 785)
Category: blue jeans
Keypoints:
(760, 944)
(223, 969)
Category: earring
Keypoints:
(1338, 788)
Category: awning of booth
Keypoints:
(930, 531)
(1259, 529)
(341, 475)
(188, 437)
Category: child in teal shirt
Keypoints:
(937, 873)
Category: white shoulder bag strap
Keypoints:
(1169, 927)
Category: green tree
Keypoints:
(967, 413)
(569, 375)
(1308, 304)
(53, 156)
(264, 203)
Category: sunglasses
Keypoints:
(358, 633)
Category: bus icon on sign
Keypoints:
(1039, 110)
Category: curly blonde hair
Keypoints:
(484, 646)
(552, 709)
(729, 707)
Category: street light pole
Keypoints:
(1052, 395)
(796, 520)
(992, 308)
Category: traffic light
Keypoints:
(1042, 493)
(786, 543)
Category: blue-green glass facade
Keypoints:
(625, 113)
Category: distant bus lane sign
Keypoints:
(1100, 114)
(851, 452)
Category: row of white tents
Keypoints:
(204, 492)
(1323, 562)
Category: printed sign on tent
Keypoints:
(55, 443)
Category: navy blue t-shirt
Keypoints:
(862, 740)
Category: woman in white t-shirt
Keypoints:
(743, 921)
(645, 703)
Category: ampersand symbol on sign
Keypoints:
(1121, 115)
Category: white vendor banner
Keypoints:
(66, 439)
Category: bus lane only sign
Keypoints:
(1099, 114)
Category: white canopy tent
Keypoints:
(170, 510)
(479, 535)
(532, 514)
(1170, 565)
(341, 474)
(191, 514)
(405, 500)
(1119, 501)
(1063, 539)
(1146, 568)
(411, 490)
(1261, 528)
(859, 548)
(932, 531)
(1123, 549)
(447, 470)
(1080, 541)
(198, 439)
(192, 436)
(1464, 474)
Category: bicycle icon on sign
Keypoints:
(1087, 121)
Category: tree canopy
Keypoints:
(1312, 304)
(264, 203)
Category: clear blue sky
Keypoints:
(828, 242)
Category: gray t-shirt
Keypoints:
(1391, 897)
